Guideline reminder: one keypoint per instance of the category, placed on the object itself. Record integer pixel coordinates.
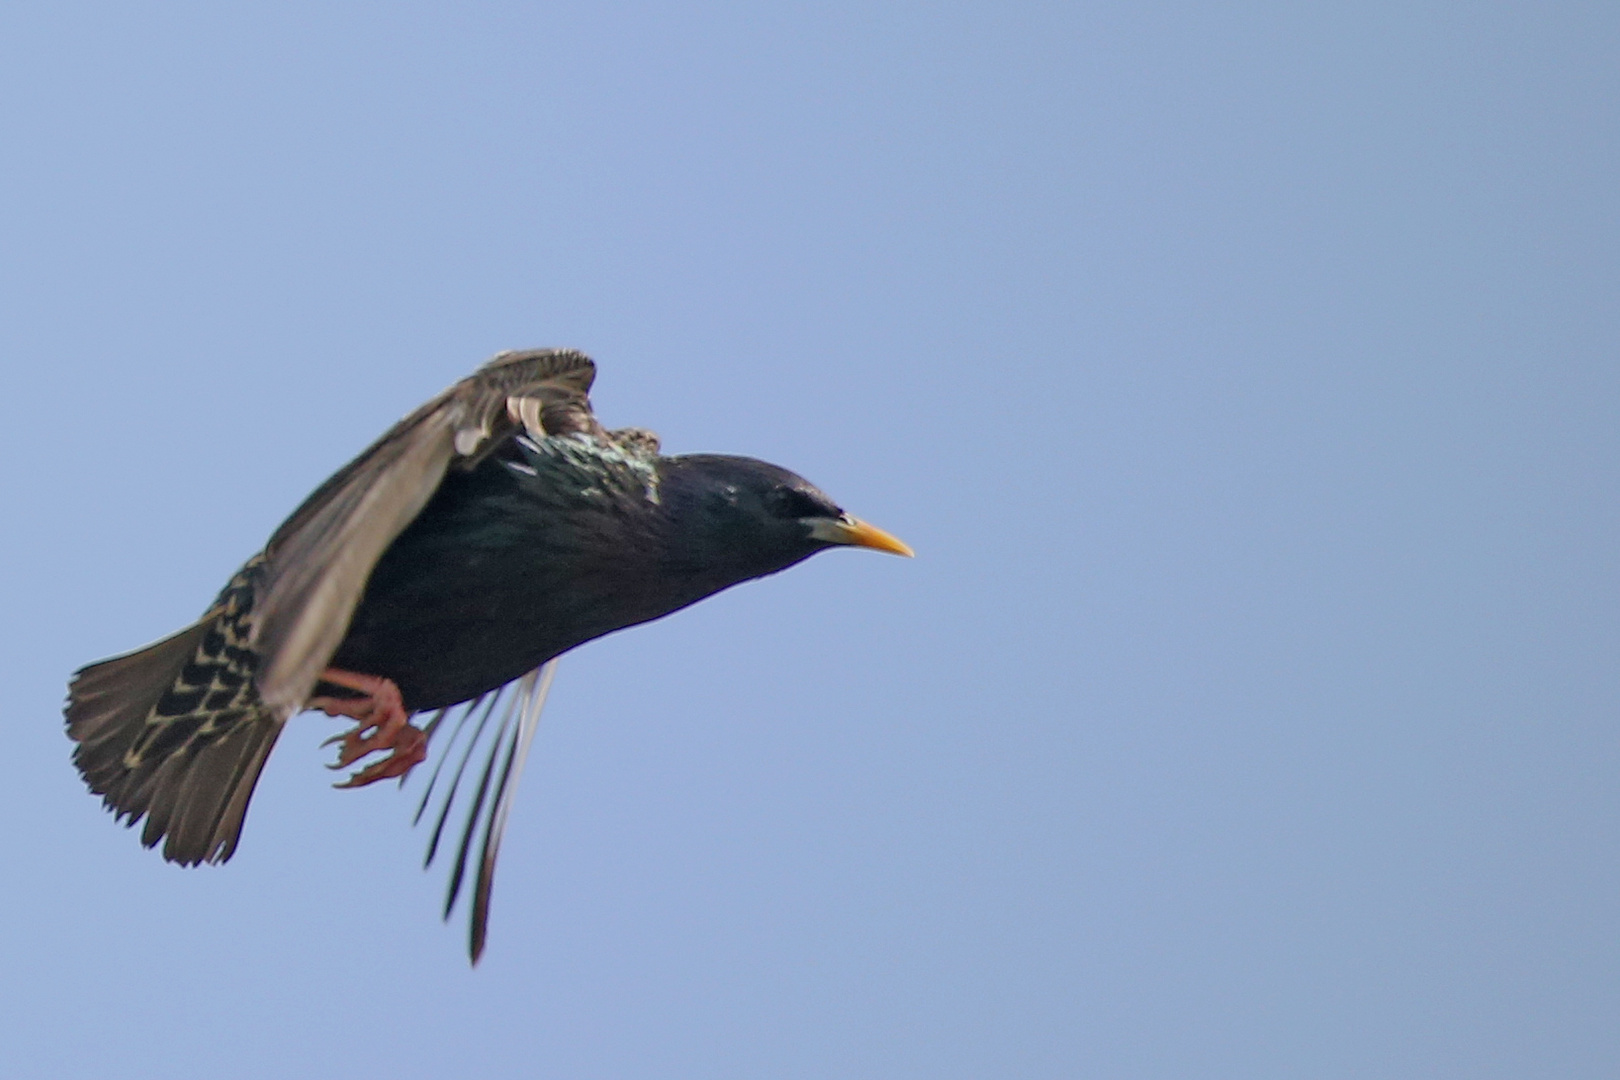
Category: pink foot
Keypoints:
(380, 712)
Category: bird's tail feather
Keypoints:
(175, 732)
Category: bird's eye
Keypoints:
(792, 503)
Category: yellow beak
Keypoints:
(855, 533)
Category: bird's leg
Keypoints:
(381, 712)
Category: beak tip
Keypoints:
(870, 536)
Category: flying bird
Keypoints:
(449, 565)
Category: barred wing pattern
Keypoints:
(178, 732)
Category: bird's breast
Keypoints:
(503, 570)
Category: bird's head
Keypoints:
(749, 517)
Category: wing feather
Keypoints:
(531, 699)
(318, 562)
(455, 781)
(507, 748)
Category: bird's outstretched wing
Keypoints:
(317, 563)
(504, 751)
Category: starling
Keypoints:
(449, 565)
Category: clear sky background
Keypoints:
(1245, 376)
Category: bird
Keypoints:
(443, 571)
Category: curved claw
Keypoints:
(409, 751)
(357, 744)
(384, 725)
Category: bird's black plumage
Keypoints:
(549, 543)
(484, 535)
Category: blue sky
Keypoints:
(1244, 376)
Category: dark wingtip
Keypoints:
(508, 746)
(460, 872)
